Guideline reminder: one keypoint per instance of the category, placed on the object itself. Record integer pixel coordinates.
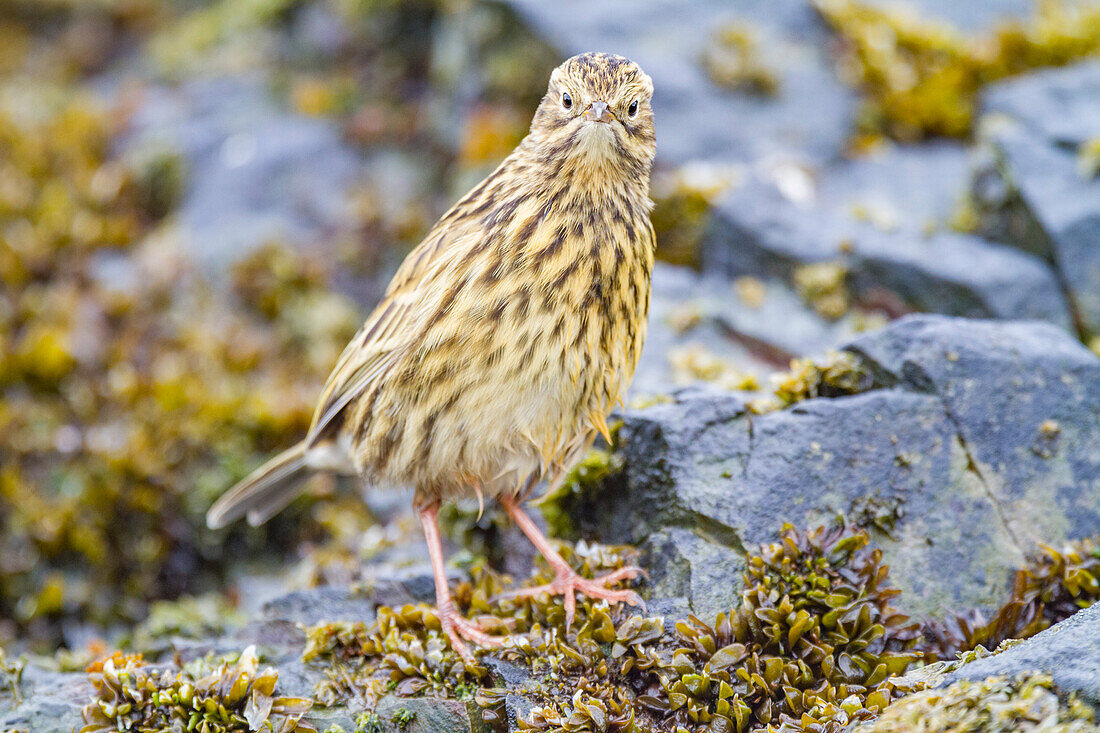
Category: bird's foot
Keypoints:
(457, 628)
(567, 582)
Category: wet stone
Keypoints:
(938, 458)
(759, 229)
(1037, 127)
(1068, 651)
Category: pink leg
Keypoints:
(454, 624)
(566, 580)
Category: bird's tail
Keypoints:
(264, 492)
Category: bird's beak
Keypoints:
(599, 112)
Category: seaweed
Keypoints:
(995, 705)
(230, 697)
(11, 675)
(922, 78)
(813, 642)
(128, 402)
(838, 374)
(1054, 585)
(823, 285)
(732, 61)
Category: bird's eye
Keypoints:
(633, 108)
(566, 100)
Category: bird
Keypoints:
(505, 338)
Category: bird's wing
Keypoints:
(395, 325)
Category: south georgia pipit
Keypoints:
(506, 337)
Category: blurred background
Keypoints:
(200, 200)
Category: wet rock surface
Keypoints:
(974, 441)
(1069, 652)
(758, 230)
(1043, 196)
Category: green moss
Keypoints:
(995, 705)
(922, 78)
(402, 717)
(559, 505)
(369, 723)
(228, 698)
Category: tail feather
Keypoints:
(263, 493)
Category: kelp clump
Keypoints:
(922, 78)
(995, 705)
(402, 650)
(231, 698)
(732, 60)
(1054, 585)
(824, 287)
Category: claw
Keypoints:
(567, 583)
(457, 627)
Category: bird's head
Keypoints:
(597, 106)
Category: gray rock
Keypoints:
(757, 230)
(51, 703)
(427, 715)
(256, 172)
(1025, 402)
(1068, 651)
(1061, 106)
(911, 188)
(808, 120)
(681, 563)
(950, 442)
(689, 311)
(1036, 126)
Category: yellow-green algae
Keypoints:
(815, 644)
(837, 374)
(1053, 586)
(230, 698)
(732, 60)
(694, 362)
(921, 78)
(124, 409)
(1088, 158)
(823, 285)
(995, 705)
(812, 646)
(11, 675)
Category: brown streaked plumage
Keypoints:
(507, 335)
